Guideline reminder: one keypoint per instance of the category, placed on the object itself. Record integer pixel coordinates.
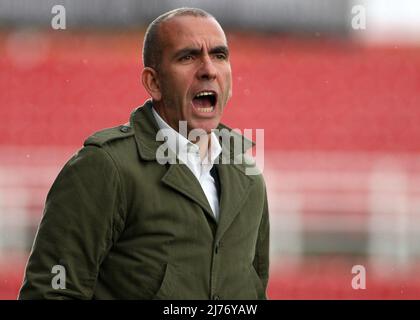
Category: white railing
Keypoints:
(344, 203)
(357, 203)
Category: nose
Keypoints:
(207, 70)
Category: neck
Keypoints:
(203, 144)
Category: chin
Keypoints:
(207, 125)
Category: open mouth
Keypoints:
(205, 101)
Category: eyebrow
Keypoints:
(195, 51)
(220, 49)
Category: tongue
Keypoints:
(202, 102)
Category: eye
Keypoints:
(186, 58)
(221, 56)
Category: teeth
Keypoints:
(209, 109)
(204, 93)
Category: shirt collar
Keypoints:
(184, 144)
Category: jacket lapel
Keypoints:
(181, 179)
(178, 176)
(235, 187)
(235, 184)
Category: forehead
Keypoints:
(183, 31)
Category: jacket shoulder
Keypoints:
(105, 136)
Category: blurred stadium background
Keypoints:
(340, 108)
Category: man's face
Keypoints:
(195, 74)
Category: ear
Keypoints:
(151, 83)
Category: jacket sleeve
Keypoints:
(261, 259)
(82, 215)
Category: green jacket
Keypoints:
(124, 226)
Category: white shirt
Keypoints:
(191, 158)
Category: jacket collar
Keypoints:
(235, 184)
(146, 128)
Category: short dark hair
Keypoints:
(152, 48)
